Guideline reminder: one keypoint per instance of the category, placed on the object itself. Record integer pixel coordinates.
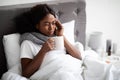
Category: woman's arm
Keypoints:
(30, 66)
(69, 47)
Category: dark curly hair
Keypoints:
(27, 21)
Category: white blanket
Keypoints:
(96, 69)
(12, 76)
(59, 66)
(65, 68)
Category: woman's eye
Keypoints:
(53, 23)
(46, 24)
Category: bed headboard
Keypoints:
(66, 11)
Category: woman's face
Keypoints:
(47, 25)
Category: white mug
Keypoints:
(58, 42)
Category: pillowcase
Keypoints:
(69, 31)
(12, 49)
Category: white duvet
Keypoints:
(96, 69)
(59, 66)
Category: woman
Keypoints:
(42, 20)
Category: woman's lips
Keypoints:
(51, 32)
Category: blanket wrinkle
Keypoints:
(58, 66)
(61, 72)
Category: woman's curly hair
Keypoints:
(27, 21)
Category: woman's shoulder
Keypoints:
(27, 42)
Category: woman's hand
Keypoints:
(48, 45)
(59, 28)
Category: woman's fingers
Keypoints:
(51, 43)
(59, 30)
(48, 45)
(58, 24)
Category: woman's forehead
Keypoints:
(49, 17)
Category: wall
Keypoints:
(104, 16)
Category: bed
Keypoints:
(70, 13)
(66, 11)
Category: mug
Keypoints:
(58, 43)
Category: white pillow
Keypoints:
(69, 31)
(12, 49)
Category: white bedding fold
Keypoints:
(12, 76)
(59, 66)
(96, 69)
